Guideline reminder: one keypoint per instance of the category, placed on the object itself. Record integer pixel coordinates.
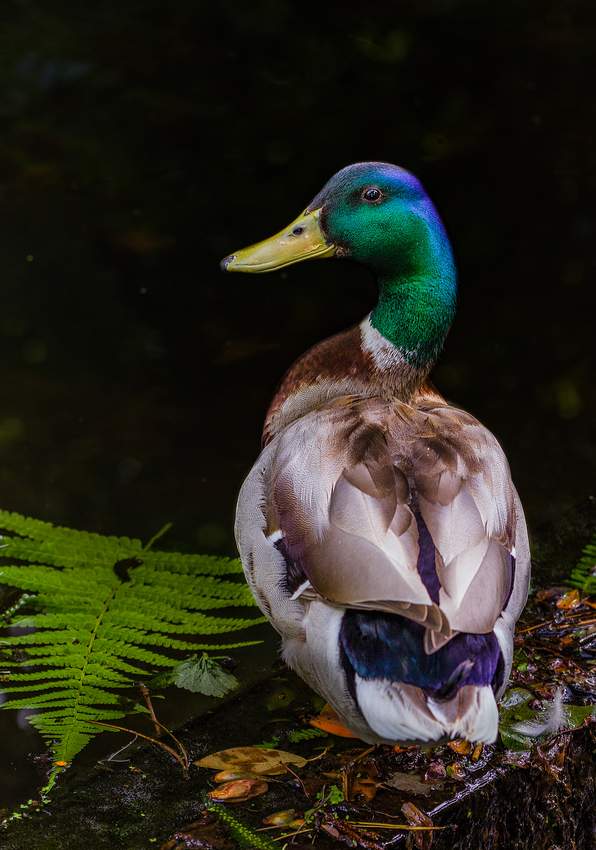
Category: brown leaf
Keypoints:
(523, 758)
(550, 593)
(257, 760)
(413, 815)
(456, 770)
(280, 818)
(330, 830)
(207, 833)
(435, 771)
(464, 748)
(550, 756)
(364, 788)
(410, 783)
(240, 789)
(313, 785)
(570, 600)
(231, 775)
(328, 721)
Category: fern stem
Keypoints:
(184, 766)
(155, 537)
(182, 750)
(65, 741)
(147, 697)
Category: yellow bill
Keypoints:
(301, 240)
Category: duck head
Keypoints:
(380, 216)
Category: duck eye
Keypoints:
(298, 231)
(372, 195)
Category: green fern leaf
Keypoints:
(246, 837)
(298, 735)
(584, 574)
(100, 613)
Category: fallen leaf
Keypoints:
(435, 772)
(314, 785)
(415, 817)
(570, 600)
(328, 721)
(280, 818)
(207, 832)
(240, 789)
(464, 748)
(576, 715)
(365, 782)
(514, 707)
(330, 830)
(520, 758)
(550, 756)
(455, 770)
(412, 784)
(257, 760)
(231, 775)
(550, 593)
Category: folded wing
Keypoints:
(401, 509)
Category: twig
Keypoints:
(156, 723)
(153, 741)
(547, 623)
(174, 738)
(121, 750)
(346, 772)
(306, 794)
(397, 826)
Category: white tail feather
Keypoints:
(401, 712)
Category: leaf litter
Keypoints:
(372, 797)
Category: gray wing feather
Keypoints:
(337, 485)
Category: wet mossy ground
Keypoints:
(546, 799)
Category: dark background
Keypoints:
(140, 142)
(143, 141)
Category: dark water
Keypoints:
(142, 141)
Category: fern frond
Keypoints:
(207, 565)
(37, 529)
(298, 735)
(584, 574)
(101, 613)
(244, 835)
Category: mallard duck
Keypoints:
(379, 529)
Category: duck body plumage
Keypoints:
(379, 529)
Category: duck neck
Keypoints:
(414, 314)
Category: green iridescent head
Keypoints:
(380, 216)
